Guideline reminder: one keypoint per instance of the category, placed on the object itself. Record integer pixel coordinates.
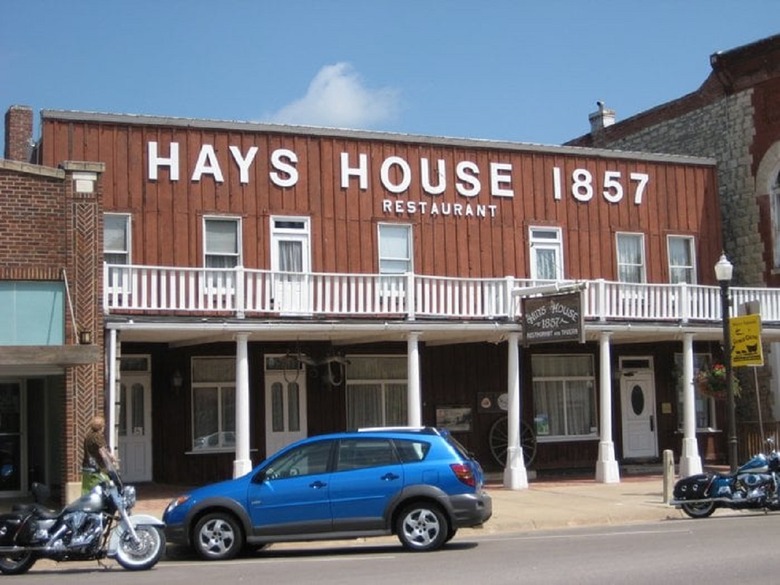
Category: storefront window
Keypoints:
(213, 403)
(376, 391)
(564, 396)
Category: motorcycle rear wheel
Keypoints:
(145, 553)
(699, 509)
(17, 564)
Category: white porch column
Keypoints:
(515, 475)
(606, 467)
(413, 393)
(242, 463)
(690, 461)
(113, 399)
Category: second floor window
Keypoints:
(681, 260)
(395, 248)
(546, 253)
(116, 238)
(222, 242)
(631, 258)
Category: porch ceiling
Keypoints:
(199, 331)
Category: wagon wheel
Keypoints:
(499, 439)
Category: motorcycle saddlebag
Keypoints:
(694, 487)
(9, 526)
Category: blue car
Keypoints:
(419, 484)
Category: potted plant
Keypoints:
(711, 382)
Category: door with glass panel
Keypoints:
(134, 422)
(285, 402)
(12, 441)
(291, 264)
(637, 397)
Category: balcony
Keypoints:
(243, 293)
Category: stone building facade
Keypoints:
(734, 117)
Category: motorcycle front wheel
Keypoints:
(699, 509)
(144, 554)
(16, 564)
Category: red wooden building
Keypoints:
(262, 283)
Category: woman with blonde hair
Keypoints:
(97, 459)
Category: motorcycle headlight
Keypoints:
(128, 495)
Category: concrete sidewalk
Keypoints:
(546, 504)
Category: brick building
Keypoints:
(51, 360)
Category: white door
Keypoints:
(135, 427)
(285, 408)
(637, 397)
(290, 256)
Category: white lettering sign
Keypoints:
(396, 176)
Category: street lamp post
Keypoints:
(723, 272)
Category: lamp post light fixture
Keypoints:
(723, 272)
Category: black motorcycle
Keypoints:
(755, 485)
(96, 526)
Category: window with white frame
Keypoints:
(222, 242)
(546, 253)
(705, 405)
(564, 396)
(682, 264)
(631, 258)
(116, 238)
(376, 391)
(213, 403)
(395, 248)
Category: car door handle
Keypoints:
(389, 477)
(318, 484)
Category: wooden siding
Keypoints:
(167, 215)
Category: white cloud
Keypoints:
(337, 97)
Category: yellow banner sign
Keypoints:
(746, 347)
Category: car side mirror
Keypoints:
(259, 477)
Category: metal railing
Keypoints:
(243, 292)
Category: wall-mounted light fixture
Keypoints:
(176, 381)
(85, 337)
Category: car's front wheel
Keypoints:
(218, 537)
(422, 527)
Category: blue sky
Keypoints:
(495, 69)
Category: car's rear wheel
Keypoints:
(422, 527)
(217, 537)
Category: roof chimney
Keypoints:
(18, 133)
(601, 119)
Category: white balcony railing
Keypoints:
(241, 292)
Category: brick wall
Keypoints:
(31, 224)
(18, 133)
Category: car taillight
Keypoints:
(464, 473)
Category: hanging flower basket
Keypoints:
(711, 382)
